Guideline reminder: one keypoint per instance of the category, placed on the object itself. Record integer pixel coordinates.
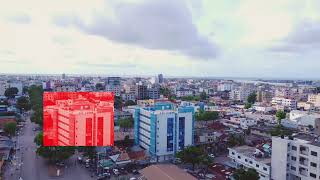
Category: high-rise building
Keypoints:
(160, 78)
(78, 119)
(295, 157)
(163, 129)
(154, 92)
(141, 91)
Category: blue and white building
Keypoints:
(163, 129)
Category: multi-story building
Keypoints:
(264, 96)
(225, 86)
(286, 103)
(128, 96)
(295, 158)
(314, 99)
(160, 78)
(184, 92)
(255, 158)
(240, 94)
(154, 92)
(116, 89)
(141, 92)
(3, 86)
(163, 129)
(78, 120)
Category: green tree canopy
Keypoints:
(280, 114)
(252, 98)
(23, 103)
(117, 102)
(250, 174)
(11, 92)
(53, 153)
(36, 99)
(207, 115)
(192, 154)
(203, 96)
(247, 105)
(125, 123)
(10, 128)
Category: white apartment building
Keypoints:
(241, 94)
(225, 87)
(304, 118)
(286, 103)
(164, 130)
(295, 158)
(251, 157)
(3, 86)
(314, 99)
(184, 92)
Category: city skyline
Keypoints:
(268, 39)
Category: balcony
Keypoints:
(304, 150)
(303, 171)
(303, 161)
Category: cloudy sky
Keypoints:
(238, 38)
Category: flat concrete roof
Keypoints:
(165, 172)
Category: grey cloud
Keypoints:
(159, 24)
(105, 65)
(305, 37)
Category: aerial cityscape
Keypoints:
(160, 90)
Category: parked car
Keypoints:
(116, 171)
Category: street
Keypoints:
(33, 167)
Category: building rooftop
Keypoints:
(165, 172)
(251, 153)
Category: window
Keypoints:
(293, 168)
(314, 153)
(250, 162)
(313, 164)
(232, 153)
(313, 175)
(293, 158)
(294, 148)
(257, 165)
(265, 169)
(246, 160)
(239, 157)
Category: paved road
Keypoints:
(34, 167)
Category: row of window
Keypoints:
(313, 153)
(250, 162)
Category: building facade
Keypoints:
(163, 129)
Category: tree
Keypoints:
(207, 115)
(250, 174)
(280, 114)
(207, 161)
(36, 99)
(99, 86)
(192, 155)
(89, 151)
(247, 105)
(125, 123)
(234, 140)
(203, 96)
(25, 90)
(11, 92)
(53, 153)
(23, 103)
(117, 102)
(252, 98)
(10, 128)
(130, 103)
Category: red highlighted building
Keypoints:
(78, 118)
